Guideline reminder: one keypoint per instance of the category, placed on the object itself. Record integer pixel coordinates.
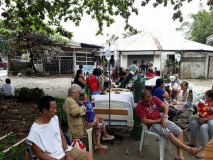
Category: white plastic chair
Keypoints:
(162, 140)
(90, 139)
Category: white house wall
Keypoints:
(123, 61)
(157, 60)
(193, 65)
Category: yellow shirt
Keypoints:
(75, 115)
(208, 152)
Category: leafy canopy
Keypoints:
(200, 28)
(42, 15)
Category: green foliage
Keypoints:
(10, 138)
(139, 86)
(41, 74)
(113, 38)
(61, 114)
(26, 94)
(200, 28)
(14, 153)
(28, 72)
(36, 43)
(5, 41)
(60, 39)
(129, 33)
(42, 15)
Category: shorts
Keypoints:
(77, 154)
(172, 128)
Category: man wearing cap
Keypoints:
(75, 113)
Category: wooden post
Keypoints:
(8, 65)
(59, 65)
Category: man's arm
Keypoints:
(203, 120)
(64, 143)
(65, 146)
(151, 121)
(165, 94)
(73, 109)
(165, 108)
(40, 154)
(165, 114)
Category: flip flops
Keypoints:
(102, 147)
(108, 138)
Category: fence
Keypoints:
(59, 66)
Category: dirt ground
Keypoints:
(18, 117)
(58, 86)
(15, 117)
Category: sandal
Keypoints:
(101, 147)
(108, 138)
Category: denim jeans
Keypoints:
(206, 130)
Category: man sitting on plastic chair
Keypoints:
(147, 111)
(48, 141)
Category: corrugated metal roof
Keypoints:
(209, 39)
(74, 44)
(146, 41)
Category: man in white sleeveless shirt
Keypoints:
(48, 141)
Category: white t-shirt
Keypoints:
(48, 138)
(8, 89)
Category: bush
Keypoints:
(28, 72)
(41, 74)
(61, 114)
(26, 94)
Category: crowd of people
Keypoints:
(158, 108)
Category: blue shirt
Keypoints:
(158, 92)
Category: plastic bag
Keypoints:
(90, 113)
(76, 143)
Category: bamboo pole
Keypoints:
(6, 135)
(6, 150)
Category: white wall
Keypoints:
(157, 60)
(123, 60)
(193, 65)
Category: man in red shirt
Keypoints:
(147, 111)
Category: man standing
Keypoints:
(133, 67)
(143, 67)
(147, 111)
(48, 141)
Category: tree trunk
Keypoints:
(31, 61)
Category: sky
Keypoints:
(156, 20)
